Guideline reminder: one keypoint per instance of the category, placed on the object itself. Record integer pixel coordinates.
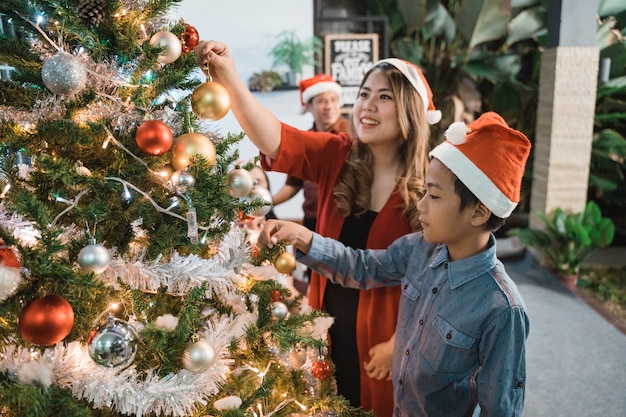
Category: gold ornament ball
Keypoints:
(210, 100)
(285, 263)
(190, 145)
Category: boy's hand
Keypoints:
(379, 365)
(291, 233)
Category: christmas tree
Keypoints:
(126, 287)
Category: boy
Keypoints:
(462, 325)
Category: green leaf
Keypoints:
(481, 21)
(526, 25)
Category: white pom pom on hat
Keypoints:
(414, 74)
(488, 157)
(316, 85)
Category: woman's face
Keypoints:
(259, 177)
(374, 113)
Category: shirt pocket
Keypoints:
(406, 310)
(446, 349)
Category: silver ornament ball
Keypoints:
(64, 74)
(171, 43)
(94, 257)
(182, 181)
(279, 310)
(113, 344)
(263, 194)
(199, 356)
(239, 182)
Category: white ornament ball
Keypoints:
(94, 257)
(279, 310)
(171, 43)
(239, 182)
(199, 356)
(113, 344)
(263, 194)
(64, 74)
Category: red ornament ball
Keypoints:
(154, 137)
(190, 38)
(47, 320)
(275, 295)
(321, 369)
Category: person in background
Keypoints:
(321, 96)
(260, 177)
(462, 329)
(254, 224)
(369, 184)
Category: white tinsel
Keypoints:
(24, 231)
(128, 391)
(182, 273)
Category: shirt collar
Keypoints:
(464, 270)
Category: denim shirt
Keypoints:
(461, 330)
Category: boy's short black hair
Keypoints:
(468, 198)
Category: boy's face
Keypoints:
(440, 217)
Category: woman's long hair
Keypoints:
(353, 189)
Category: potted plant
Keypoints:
(568, 239)
(294, 53)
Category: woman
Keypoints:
(368, 190)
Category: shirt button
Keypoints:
(421, 322)
(434, 290)
(449, 335)
(400, 382)
(520, 384)
(406, 286)
(445, 266)
(406, 352)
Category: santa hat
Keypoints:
(320, 83)
(9, 271)
(489, 158)
(416, 77)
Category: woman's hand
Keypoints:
(214, 57)
(379, 365)
(291, 233)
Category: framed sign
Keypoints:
(347, 58)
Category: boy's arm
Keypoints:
(501, 380)
(361, 269)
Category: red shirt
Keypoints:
(319, 157)
(309, 188)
